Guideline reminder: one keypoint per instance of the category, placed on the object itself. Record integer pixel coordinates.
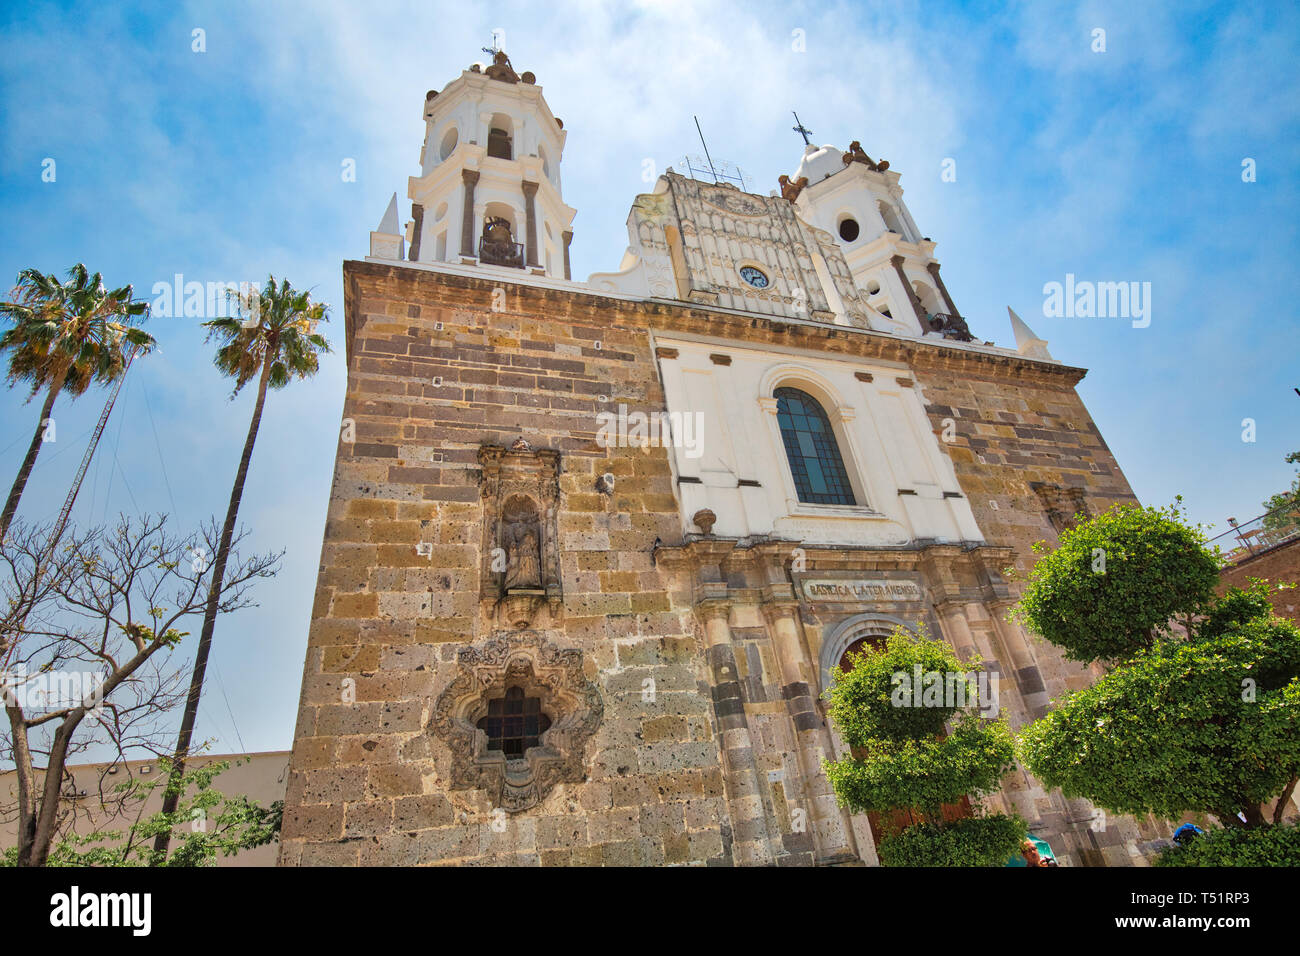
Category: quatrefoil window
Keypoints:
(514, 723)
(516, 718)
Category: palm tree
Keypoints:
(275, 343)
(64, 337)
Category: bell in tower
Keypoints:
(498, 246)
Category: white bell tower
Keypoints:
(858, 200)
(488, 193)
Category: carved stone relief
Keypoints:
(1061, 504)
(522, 659)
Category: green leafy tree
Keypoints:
(1206, 725)
(1280, 509)
(901, 759)
(1115, 582)
(63, 337)
(209, 824)
(1205, 719)
(974, 841)
(1262, 846)
(273, 343)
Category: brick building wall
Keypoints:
(1280, 565)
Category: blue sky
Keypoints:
(1123, 165)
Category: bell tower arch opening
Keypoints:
(500, 139)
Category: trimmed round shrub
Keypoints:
(1206, 725)
(974, 841)
(1114, 582)
(927, 772)
(877, 699)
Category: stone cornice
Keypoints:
(664, 316)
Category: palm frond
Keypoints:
(283, 343)
(76, 330)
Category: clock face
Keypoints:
(754, 277)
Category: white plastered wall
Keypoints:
(881, 427)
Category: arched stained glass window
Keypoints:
(810, 446)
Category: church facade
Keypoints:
(594, 549)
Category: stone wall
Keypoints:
(705, 742)
(1029, 456)
(1019, 439)
(434, 374)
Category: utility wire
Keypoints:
(108, 495)
(222, 685)
(162, 463)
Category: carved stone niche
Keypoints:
(520, 489)
(522, 659)
(1063, 506)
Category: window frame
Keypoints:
(837, 416)
(866, 488)
(819, 445)
(514, 694)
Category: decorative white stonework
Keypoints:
(860, 202)
(386, 242)
(903, 482)
(693, 240)
(489, 167)
(1027, 343)
(836, 245)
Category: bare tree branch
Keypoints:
(86, 635)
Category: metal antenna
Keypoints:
(801, 130)
(706, 148)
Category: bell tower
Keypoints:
(489, 189)
(859, 201)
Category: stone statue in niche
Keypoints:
(521, 563)
(521, 539)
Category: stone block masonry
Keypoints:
(688, 729)
(435, 374)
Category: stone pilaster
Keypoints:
(568, 238)
(830, 841)
(470, 176)
(530, 222)
(751, 836)
(1020, 660)
(417, 214)
(933, 269)
(917, 310)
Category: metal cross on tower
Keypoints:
(801, 129)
